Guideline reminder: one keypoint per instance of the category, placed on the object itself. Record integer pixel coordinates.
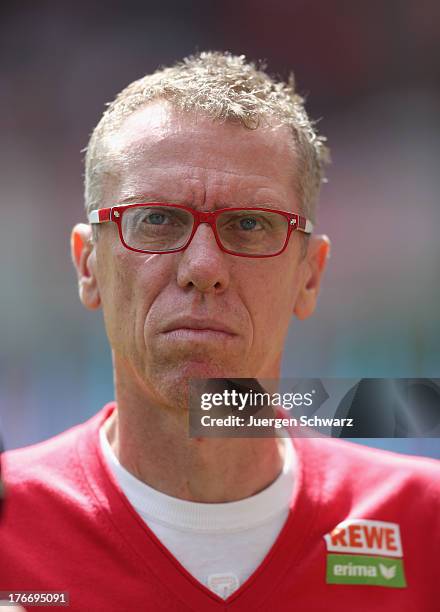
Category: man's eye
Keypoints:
(249, 223)
(156, 218)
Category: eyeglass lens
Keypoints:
(164, 228)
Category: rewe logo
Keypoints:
(364, 536)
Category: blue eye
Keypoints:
(156, 218)
(248, 223)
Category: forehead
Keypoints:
(159, 146)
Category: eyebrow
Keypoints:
(148, 197)
(145, 197)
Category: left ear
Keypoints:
(318, 251)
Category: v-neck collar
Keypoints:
(125, 521)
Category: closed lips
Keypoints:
(198, 324)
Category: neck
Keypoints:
(154, 445)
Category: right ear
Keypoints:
(84, 260)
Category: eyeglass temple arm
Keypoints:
(304, 225)
(99, 216)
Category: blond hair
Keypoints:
(224, 87)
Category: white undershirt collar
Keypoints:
(205, 517)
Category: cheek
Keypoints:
(270, 293)
(128, 287)
(117, 302)
(271, 282)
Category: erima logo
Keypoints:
(350, 569)
(364, 536)
(365, 569)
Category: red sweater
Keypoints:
(68, 527)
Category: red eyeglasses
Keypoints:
(155, 227)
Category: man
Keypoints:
(201, 188)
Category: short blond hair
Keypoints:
(224, 87)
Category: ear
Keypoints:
(318, 251)
(84, 260)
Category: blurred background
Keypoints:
(370, 72)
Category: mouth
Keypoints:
(184, 333)
(192, 328)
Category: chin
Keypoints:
(192, 368)
(173, 382)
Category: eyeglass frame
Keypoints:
(115, 213)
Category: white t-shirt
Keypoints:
(221, 545)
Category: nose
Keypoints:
(203, 264)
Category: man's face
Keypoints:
(163, 155)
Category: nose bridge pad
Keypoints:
(208, 218)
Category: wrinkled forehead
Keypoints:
(159, 139)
